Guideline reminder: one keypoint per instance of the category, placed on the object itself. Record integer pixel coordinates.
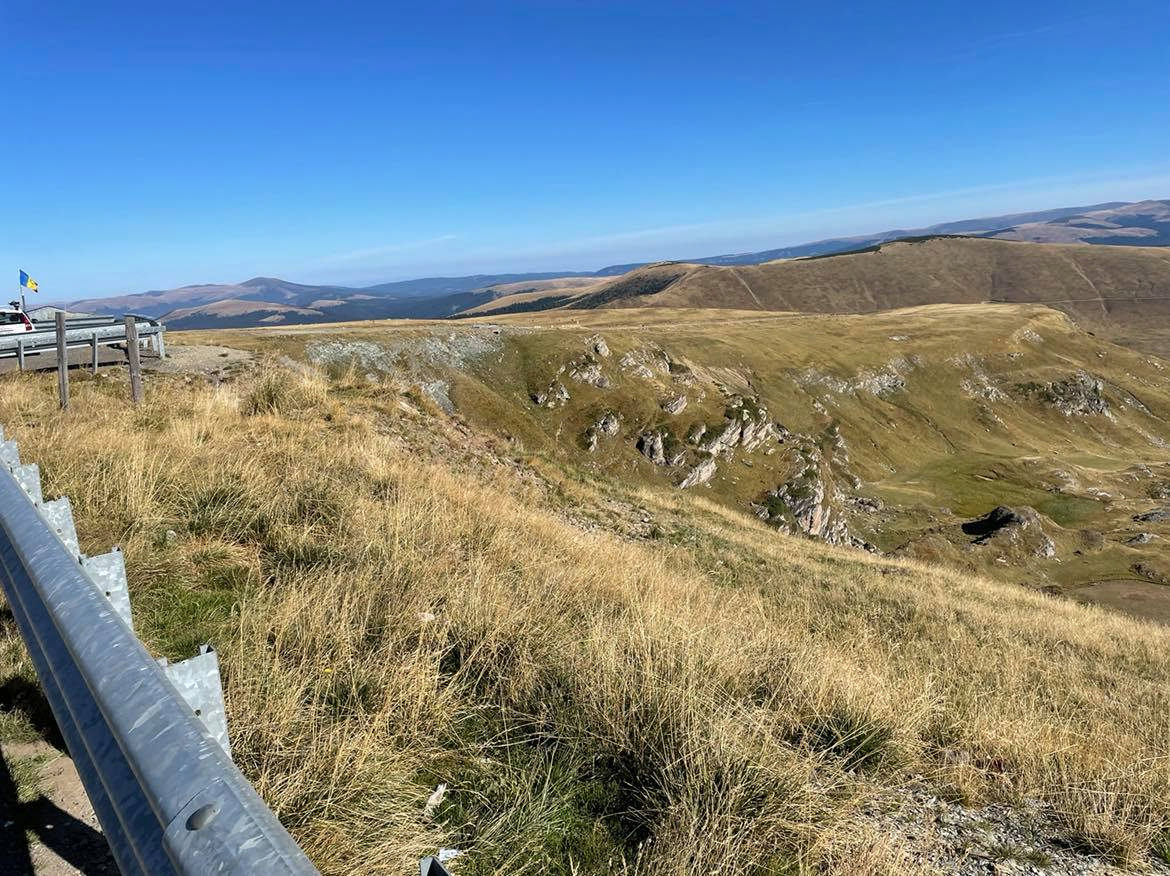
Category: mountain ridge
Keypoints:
(194, 305)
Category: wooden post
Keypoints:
(20, 353)
(62, 361)
(135, 362)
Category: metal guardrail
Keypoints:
(149, 740)
(20, 346)
(74, 322)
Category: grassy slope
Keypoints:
(1121, 290)
(935, 452)
(398, 603)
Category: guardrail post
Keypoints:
(20, 353)
(431, 867)
(62, 361)
(95, 351)
(135, 361)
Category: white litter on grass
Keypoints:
(434, 801)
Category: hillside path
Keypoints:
(745, 285)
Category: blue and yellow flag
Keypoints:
(28, 282)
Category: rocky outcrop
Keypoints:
(747, 426)
(676, 405)
(589, 371)
(1151, 573)
(804, 500)
(998, 518)
(722, 441)
(651, 446)
(887, 380)
(1082, 394)
(700, 474)
(802, 504)
(979, 385)
(661, 448)
(1012, 529)
(812, 501)
(645, 362)
(1157, 515)
(554, 396)
(598, 345)
(608, 424)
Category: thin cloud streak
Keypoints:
(749, 234)
(387, 249)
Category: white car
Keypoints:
(13, 321)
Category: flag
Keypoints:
(28, 282)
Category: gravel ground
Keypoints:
(983, 840)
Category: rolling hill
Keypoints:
(1124, 291)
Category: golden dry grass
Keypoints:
(718, 698)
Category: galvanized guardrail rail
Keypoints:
(83, 336)
(149, 740)
(74, 322)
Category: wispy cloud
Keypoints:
(374, 252)
(744, 233)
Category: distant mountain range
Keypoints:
(271, 301)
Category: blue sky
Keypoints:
(150, 145)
